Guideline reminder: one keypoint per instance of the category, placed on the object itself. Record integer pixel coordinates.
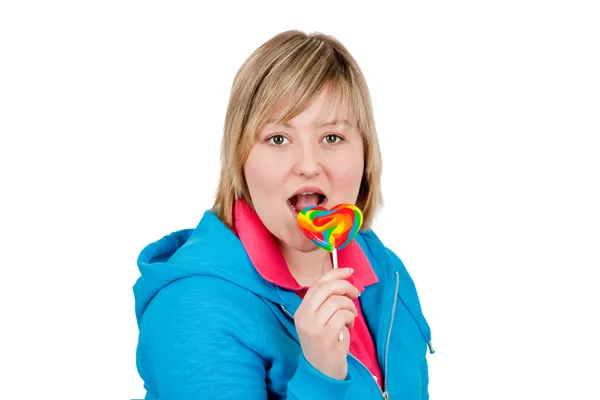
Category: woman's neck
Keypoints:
(307, 268)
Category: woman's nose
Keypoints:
(307, 163)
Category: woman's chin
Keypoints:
(307, 246)
(299, 242)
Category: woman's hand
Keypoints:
(327, 310)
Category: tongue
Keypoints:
(305, 200)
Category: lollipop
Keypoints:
(332, 229)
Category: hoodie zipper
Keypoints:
(384, 393)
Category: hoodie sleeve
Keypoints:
(308, 383)
(196, 343)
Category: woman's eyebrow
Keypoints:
(330, 123)
(335, 122)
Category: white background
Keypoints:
(111, 115)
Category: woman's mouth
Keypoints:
(300, 201)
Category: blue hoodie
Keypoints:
(212, 328)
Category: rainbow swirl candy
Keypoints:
(330, 229)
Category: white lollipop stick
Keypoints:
(334, 256)
(335, 265)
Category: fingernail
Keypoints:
(349, 270)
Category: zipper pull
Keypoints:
(386, 395)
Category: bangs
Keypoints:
(292, 83)
(337, 105)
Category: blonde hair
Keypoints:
(291, 69)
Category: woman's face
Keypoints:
(289, 160)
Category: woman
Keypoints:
(245, 306)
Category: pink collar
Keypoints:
(263, 249)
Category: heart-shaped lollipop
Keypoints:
(330, 229)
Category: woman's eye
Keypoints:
(332, 139)
(277, 139)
